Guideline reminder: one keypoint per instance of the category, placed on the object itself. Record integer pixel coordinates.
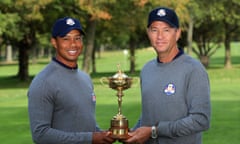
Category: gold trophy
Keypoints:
(119, 123)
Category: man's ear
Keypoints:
(54, 43)
(179, 31)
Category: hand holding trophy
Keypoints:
(119, 123)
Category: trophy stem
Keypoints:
(120, 95)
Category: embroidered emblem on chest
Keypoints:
(169, 89)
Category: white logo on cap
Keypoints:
(70, 22)
(161, 12)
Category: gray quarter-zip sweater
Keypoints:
(61, 105)
(176, 99)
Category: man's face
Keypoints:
(68, 48)
(163, 37)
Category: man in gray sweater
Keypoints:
(174, 87)
(61, 100)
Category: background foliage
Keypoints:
(113, 25)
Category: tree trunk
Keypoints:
(90, 35)
(24, 48)
(204, 60)
(23, 74)
(190, 36)
(227, 63)
(94, 69)
(9, 53)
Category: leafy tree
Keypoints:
(95, 11)
(8, 22)
(207, 40)
(118, 24)
(214, 22)
(128, 24)
(27, 16)
(227, 12)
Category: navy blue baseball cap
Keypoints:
(64, 25)
(163, 14)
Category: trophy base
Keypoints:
(119, 127)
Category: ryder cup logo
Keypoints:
(70, 22)
(169, 89)
(161, 12)
(93, 97)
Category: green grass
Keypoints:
(225, 97)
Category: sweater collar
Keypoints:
(180, 52)
(62, 64)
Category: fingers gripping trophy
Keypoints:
(119, 123)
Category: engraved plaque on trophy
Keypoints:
(119, 123)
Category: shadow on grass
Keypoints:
(13, 82)
(109, 74)
(11, 64)
(218, 62)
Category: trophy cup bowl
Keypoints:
(119, 123)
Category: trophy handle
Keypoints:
(104, 81)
